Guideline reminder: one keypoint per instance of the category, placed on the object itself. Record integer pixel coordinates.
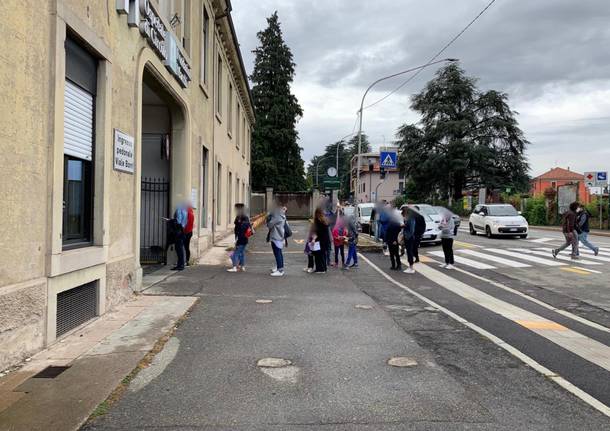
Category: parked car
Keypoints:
(498, 219)
(432, 234)
(349, 211)
(363, 216)
(457, 220)
(428, 210)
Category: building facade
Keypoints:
(113, 112)
(557, 177)
(372, 187)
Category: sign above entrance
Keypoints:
(124, 157)
(142, 14)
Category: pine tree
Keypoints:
(276, 155)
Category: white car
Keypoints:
(432, 235)
(363, 215)
(498, 219)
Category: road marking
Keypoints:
(299, 241)
(497, 259)
(559, 257)
(466, 244)
(528, 258)
(575, 270)
(588, 270)
(529, 324)
(589, 254)
(542, 240)
(464, 261)
(539, 302)
(576, 391)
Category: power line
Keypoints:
(434, 57)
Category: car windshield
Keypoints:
(348, 211)
(426, 210)
(366, 211)
(502, 211)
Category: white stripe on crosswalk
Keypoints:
(589, 254)
(464, 261)
(542, 240)
(496, 259)
(534, 259)
(559, 257)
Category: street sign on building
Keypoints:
(387, 159)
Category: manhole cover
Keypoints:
(363, 307)
(402, 362)
(264, 301)
(273, 363)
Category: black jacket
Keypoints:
(582, 221)
(391, 232)
(420, 225)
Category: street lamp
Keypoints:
(360, 111)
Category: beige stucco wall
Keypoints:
(33, 264)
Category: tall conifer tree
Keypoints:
(276, 154)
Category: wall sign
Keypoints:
(124, 154)
(142, 14)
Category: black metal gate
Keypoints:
(153, 228)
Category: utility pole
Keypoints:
(360, 111)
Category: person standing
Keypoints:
(181, 220)
(392, 231)
(188, 233)
(420, 229)
(382, 225)
(408, 234)
(352, 241)
(447, 228)
(276, 223)
(582, 223)
(309, 249)
(568, 225)
(243, 231)
(339, 236)
(321, 241)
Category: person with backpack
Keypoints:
(420, 229)
(409, 238)
(582, 228)
(188, 232)
(243, 231)
(568, 225)
(276, 223)
(352, 241)
(339, 236)
(392, 230)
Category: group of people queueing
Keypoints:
(403, 231)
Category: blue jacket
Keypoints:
(384, 219)
(408, 231)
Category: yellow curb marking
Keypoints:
(425, 259)
(465, 244)
(576, 271)
(533, 324)
(299, 241)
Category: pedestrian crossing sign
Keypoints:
(388, 159)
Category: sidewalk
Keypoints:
(79, 372)
(597, 232)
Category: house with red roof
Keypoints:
(558, 177)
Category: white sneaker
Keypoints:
(409, 271)
(234, 269)
(242, 269)
(310, 270)
(443, 265)
(274, 269)
(277, 274)
(449, 267)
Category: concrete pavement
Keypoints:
(338, 330)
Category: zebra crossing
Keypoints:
(487, 258)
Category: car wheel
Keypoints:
(472, 231)
(488, 232)
(523, 236)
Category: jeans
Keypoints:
(410, 247)
(279, 257)
(339, 249)
(187, 246)
(571, 240)
(179, 245)
(448, 250)
(395, 255)
(352, 254)
(239, 256)
(584, 238)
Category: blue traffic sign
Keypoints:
(602, 176)
(388, 159)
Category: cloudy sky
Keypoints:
(552, 57)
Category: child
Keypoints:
(352, 240)
(243, 231)
(309, 249)
(339, 236)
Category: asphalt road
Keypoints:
(339, 379)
